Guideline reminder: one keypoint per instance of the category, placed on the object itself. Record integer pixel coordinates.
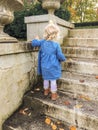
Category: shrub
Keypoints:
(84, 24)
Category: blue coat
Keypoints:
(49, 59)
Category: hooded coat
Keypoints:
(49, 59)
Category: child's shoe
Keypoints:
(46, 91)
(54, 96)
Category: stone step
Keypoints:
(77, 85)
(83, 66)
(76, 112)
(27, 118)
(81, 52)
(84, 33)
(81, 42)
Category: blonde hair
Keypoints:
(51, 31)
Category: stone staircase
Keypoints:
(81, 71)
(77, 105)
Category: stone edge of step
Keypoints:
(52, 108)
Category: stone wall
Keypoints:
(18, 63)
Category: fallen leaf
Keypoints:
(48, 121)
(96, 77)
(78, 105)
(26, 109)
(81, 80)
(32, 91)
(22, 112)
(67, 103)
(29, 114)
(85, 97)
(58, 122)
(54, 127)
(73, 128)
(51, 124)
(37, 89)
(12, 128)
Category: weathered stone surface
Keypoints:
(81, 66)
(17, 71)
(36, 25)
(20, 47)
(77, 85)
(81, 117)
(81, 42)
(81, 52)
(84, 33)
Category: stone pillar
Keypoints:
(7, 8)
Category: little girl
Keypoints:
(49, 59)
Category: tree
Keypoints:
(81, 10)
(86, 11)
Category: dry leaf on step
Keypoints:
(85, 97)
(58, 122)
(37, 89)
(73, 128)
(26, 109)
(96, 77)
(22, 112)
(48, 121)
(51, 124)
(54, 127)
(66, 103)
(32, 91)
(78, 106)
(81, 80)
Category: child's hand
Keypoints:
(37, 37)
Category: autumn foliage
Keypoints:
(81, 10)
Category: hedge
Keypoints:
(84, 24)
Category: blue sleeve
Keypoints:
(36, 43)
(60, 55)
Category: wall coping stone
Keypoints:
(46, 18)
(20, 47)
